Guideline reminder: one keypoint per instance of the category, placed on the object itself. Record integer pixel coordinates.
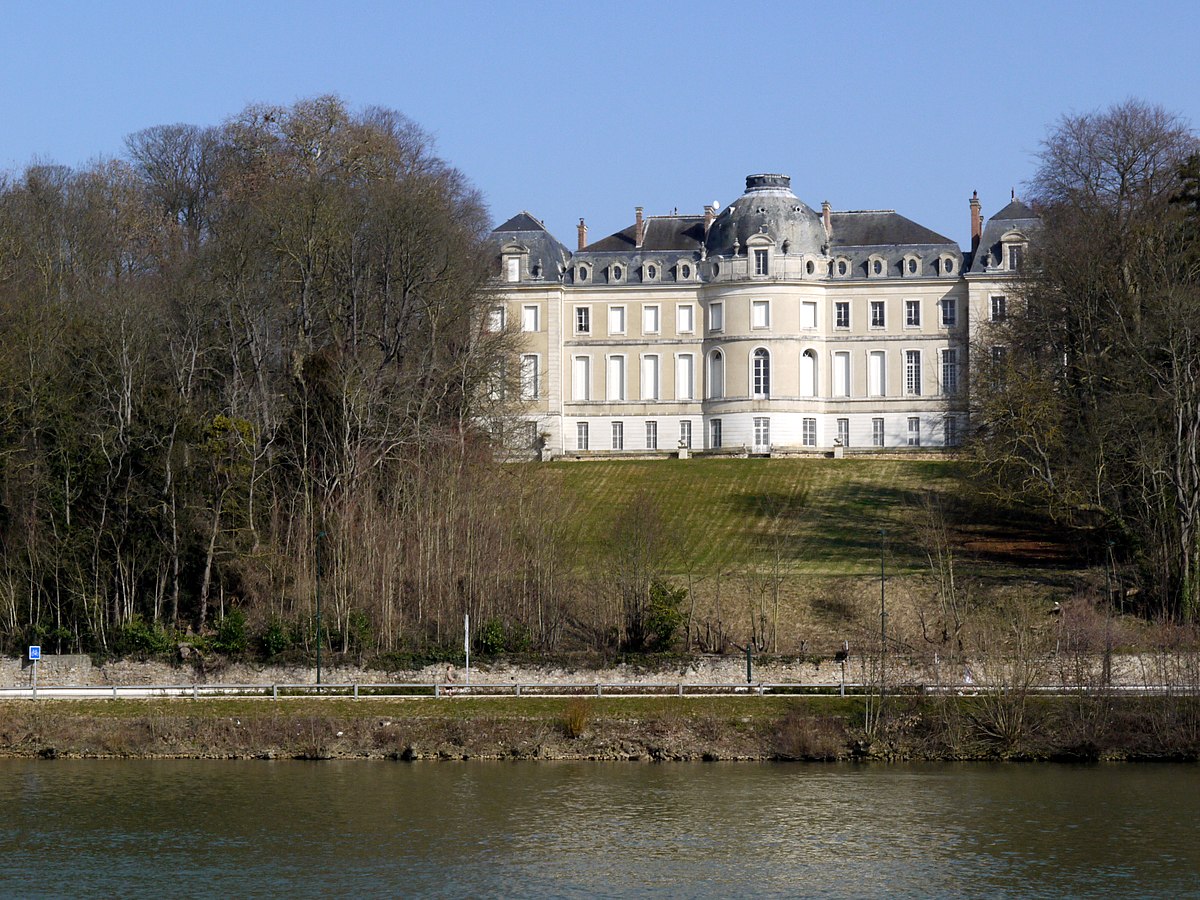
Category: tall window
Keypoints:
(999, 358)
(762, 434)
(650, 377)
(912, 313)
(1016, 256)
(843, 427)
(649, 320)
(714, 434)
(808, 374)
(685, 377)
(685, 433)
(841, 374)
(761, 264)
(808, 432)
(877, 317)
(581, 378)
(651, 435)
(716, 316)
(914, 431)
(760, 314)
(877, 374)
(618, 435)
(808, 315)
(512, 268)
(616, 320)
(716, 375)
(877, 432)
(529, 376)
(685, 318)
(998, 308)
(496, 318)
(529, 318)
(912, 372)
(616, 378)
(581, 435)
(950, 431)
(950, 371)
(762, 373)
(949, 312)
(583, 320)
(841, 314)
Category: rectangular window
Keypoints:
(529, 376)
(618, 435)
(877, 318)
(616, 378)
(649, 377)
(841, 374)
(583, 320)
(581, 435)
(877, 432)
(714, 434)
(532, 438)
(950, 431)
(843, 426)
(912, 373)
(808, 432)
(1016, 256)
(949, 312)
(841, 314)
(685, 319)
(496, 318)
(950, 371)
(616, 320)
(762, 434)
(685, 434)
(761, 264)
(651, 435)
(999, 357)
(914, 431)
(760, 314)
(716, 316)
(512, 268)
(685, 371)
(529, 318)
(649, 320)
(998, 309)
(912, 313)
(581, 378)
(877, 374)
(808, 315)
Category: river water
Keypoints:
(478, 829)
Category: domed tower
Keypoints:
(775, 232)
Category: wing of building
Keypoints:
(764, 327)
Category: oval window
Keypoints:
(877, 267)
(809, 267)
(949, 266)
(685, 271)
(651, 271)
(616, 273)
(912, 266)
(716, 270)
(842, 267)
(582, 274)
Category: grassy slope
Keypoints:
(713, 508)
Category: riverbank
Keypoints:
(638, 729)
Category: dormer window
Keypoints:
(512, 268)
(912, 265)
(582, 273)
(651, 273)
(617, 273)
(685, 271)
(1016, 256)
(762, 265)
(810, 267)
(842, 267)
(876, 267)
(946, 265)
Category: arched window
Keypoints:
(762, 373)
(808, 374)
(716, 375)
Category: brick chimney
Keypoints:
(976, 221)
(827, 219)
(710, 213)
(639, 228)
(582, 234)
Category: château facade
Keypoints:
(764, 327)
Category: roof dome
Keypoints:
(768, 207)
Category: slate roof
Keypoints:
(664, 234)
(546, 255)
(880, 228)
(1014, 217)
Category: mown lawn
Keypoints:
(815, 516)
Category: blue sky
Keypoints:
(590, 109)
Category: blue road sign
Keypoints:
(35, 653)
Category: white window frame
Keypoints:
(912, 313)
(841, 369)
(998, 310)
(651, 309)
(762, 434)
(760, 373)
(581, 435)
(950, 379)
(714, 434)
(809, 312)
(618, 435)
(912, 373)
(950, 434)
(877, 388)
(949, 308)
(651, 434)
(651, 376)
(685, 434)
(812, 390)
(757, 306)
(877, 432)
(808, 432)
(685, 386)
(840, 306)
(715, 386)
(914, 431)
(843, 431)
(614, 389)
(583, 317)
(581, 387)
(881, 306)
(762, 261)
(512, 268)
(618, 309)
(496, 318)
(716, 315)
(537, 318)
(688, 310)
(531, 376)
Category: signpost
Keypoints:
(35, 653)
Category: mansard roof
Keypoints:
(1015, 217)
(880, 228)
(664, 234)
(546, 255)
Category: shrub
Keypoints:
(664, 614)
(576, 715)
(137, 637)
(799, 736)
(274, 639)
(490, 639)
(231, 633)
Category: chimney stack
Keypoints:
(710, 213)
(827, 219)
(976, 221)
(582, 235)
(639, 228)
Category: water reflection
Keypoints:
(603, 829)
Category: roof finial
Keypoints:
(1014, 193)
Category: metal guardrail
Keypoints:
(571, 689)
